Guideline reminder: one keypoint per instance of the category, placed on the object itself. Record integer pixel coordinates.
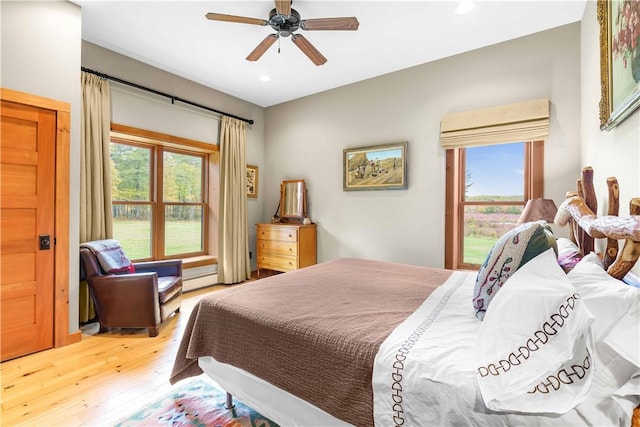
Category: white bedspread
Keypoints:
(424, 373)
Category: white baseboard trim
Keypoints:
(199, 282)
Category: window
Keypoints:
(183, 201)
(131, 198)
(159, 197)
(487, 188)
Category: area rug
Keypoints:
(196, 403)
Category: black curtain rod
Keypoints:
(166, 95)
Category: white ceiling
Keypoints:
(175, 36)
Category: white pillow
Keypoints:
(616, 308)
(610, 300)
(614, 392)
(624, 337)
(534, 349)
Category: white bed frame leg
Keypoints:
(229, 404)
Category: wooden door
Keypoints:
(27, 203)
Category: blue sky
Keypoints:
(496, 170)
(384, 154)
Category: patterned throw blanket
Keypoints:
(110, 255)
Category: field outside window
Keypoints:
(493, 196)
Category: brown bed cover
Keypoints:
(313, 332)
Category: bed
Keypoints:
(362, 342)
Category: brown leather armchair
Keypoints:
(143, 299)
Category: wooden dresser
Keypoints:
(285, 247)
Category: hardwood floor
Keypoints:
(97, 381)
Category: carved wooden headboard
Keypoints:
(579, 211)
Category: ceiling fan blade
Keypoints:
(262, 47)
(308, 49)
(283, 7)
(320, 24)
(233, 18)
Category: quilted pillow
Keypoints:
(514, 249)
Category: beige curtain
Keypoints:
(233, 236)
(524, 121)
(95, 170)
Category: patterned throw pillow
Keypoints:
(514, 249)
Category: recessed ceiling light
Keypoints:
(264, 78)
(465, 6)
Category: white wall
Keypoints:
(305, 139)
(41, 56)
(145, 110)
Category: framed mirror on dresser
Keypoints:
(293, 200)
(289, 242)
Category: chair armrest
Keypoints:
(130, 282)
(169, 267)
(128, 300)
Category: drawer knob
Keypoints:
(290, 235)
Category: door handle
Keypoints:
(45, 242)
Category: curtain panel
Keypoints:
(95, 171)
(95, 165)
(524, 121)
(233, 237)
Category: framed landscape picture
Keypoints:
(252, 181)
(619, 22)
(377, 167)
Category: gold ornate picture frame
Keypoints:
(377, 167)
(252, 181)
(619, 60)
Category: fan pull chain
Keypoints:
(278, 44)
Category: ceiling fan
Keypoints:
(286, 21)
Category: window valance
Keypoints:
(523, 121)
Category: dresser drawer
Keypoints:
(278, 247)
(277, 262)
(287, 234)
(285, 247)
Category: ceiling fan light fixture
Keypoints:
(285, 21)
(264, 78)
(284, 25)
